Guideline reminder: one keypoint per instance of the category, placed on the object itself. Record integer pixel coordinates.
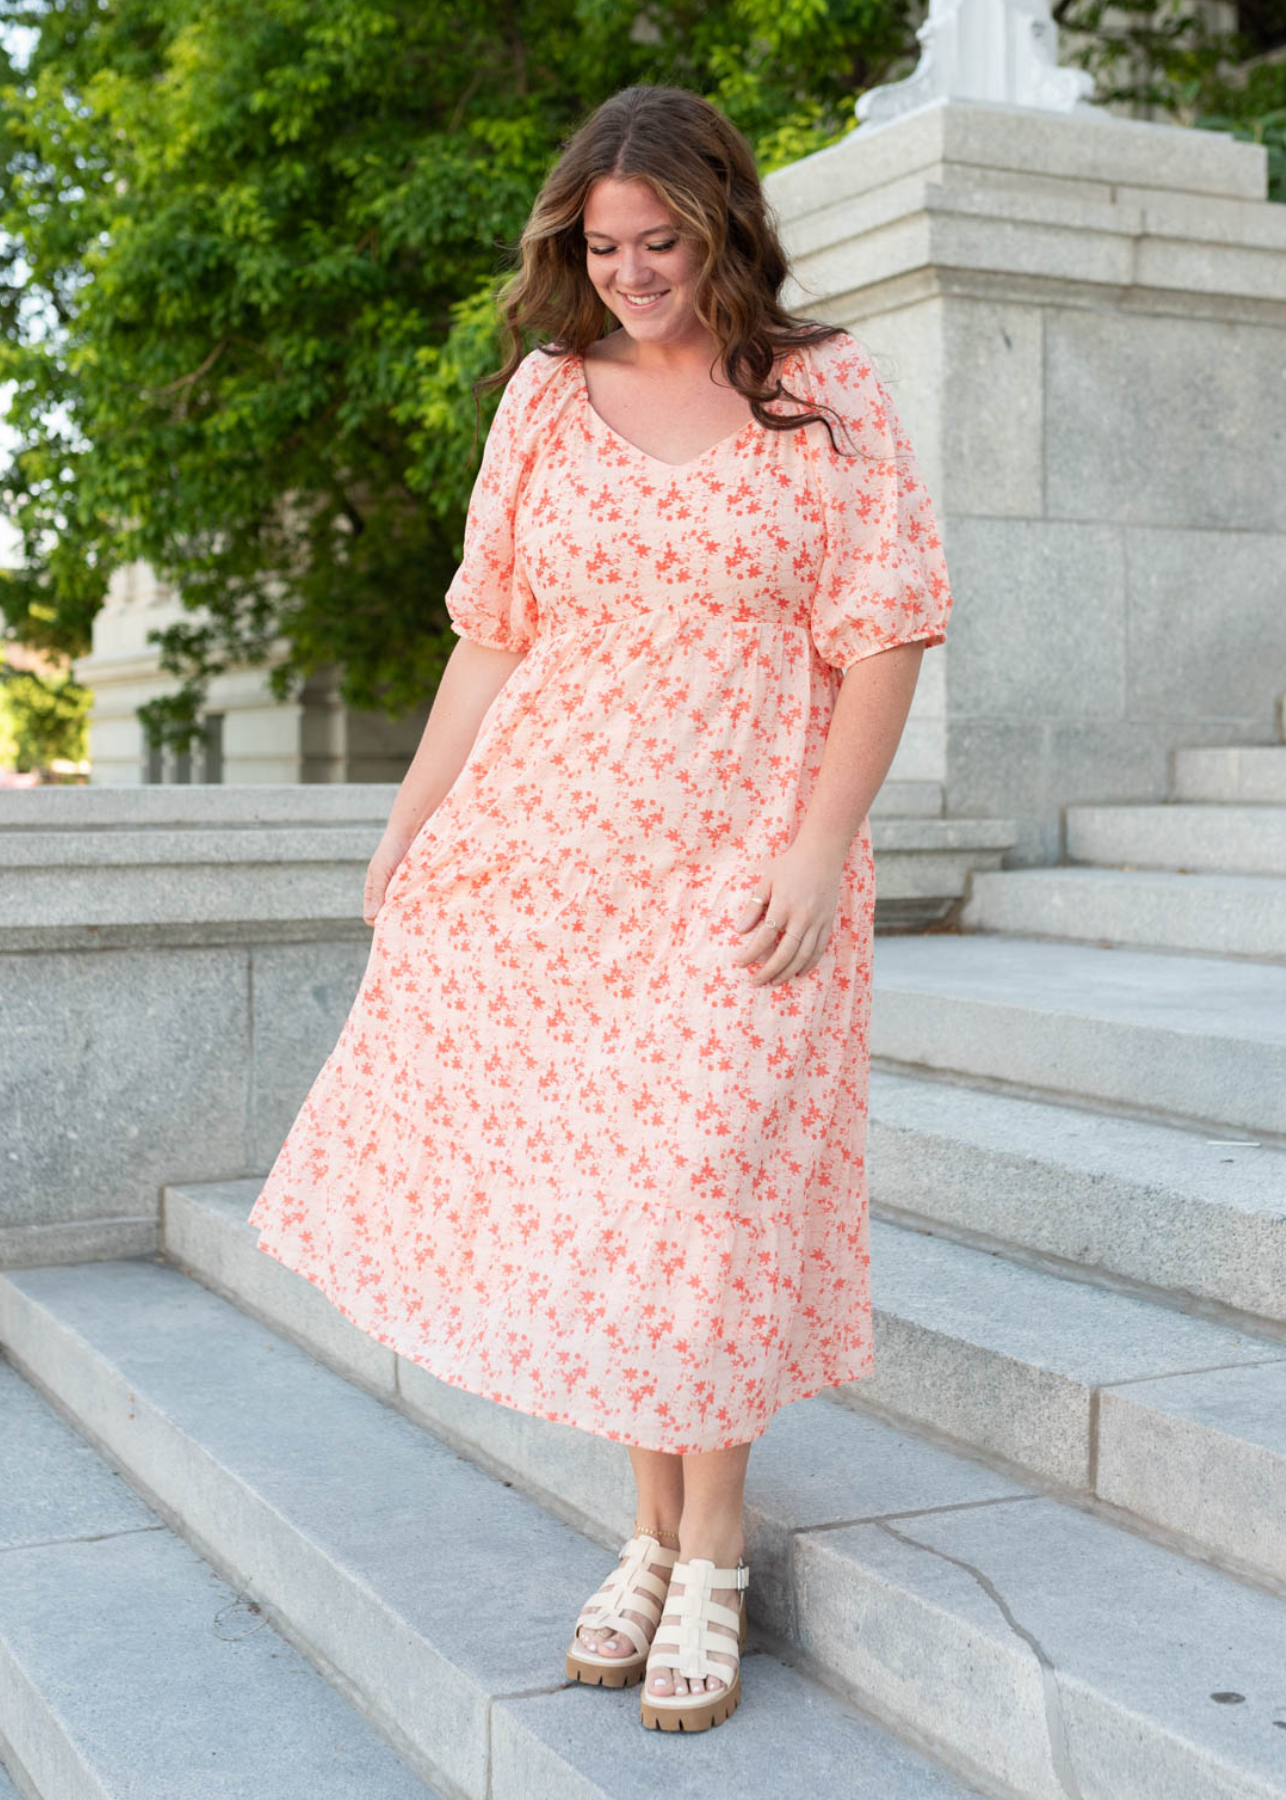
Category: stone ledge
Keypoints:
(1158, 1034)
(1171, 1215)
(1149, 909)
(77, 1240)
(1234, 774)
(1206, 836)
(248, 868)
(1070, 148)
(193, 807)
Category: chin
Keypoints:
(669, 327)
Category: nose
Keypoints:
(634, 270)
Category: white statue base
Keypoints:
(996, 50)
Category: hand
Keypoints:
(380, 872)
(800, 891)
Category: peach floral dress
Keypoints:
(564, 1154)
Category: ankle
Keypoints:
(724, 1544)
(666, 1535)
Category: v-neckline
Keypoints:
(729, 438)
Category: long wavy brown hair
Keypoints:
(701, 167)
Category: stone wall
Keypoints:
(1082, 321)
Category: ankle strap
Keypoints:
(703, 1570)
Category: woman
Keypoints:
(591, 1140)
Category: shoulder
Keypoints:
(841, 381)
(841, 368)
(530, 396)
(541, 371)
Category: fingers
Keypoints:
(373, 896)
(790, 945)
(755, 907)
(787, 955)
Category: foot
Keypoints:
(605, 1641)
(664, 1681)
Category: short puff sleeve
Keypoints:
(883, 579)
(490, 601)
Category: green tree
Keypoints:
(43, 719)
(247, 255)
(252, 249)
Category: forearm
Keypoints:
(865, 728)
(472, 678)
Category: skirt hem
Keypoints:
(865, 1367)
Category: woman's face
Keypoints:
(644, 272)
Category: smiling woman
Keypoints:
(646, 381)
(591, 1143)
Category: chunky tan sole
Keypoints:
(683, 1713)
(699, 1717)
(620, 1672)
(646, 1596)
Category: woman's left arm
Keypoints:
(799, 889)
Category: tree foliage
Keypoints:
(1163, 56)
(44, 719)
(246, 280)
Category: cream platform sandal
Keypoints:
(683, 1643)
(630, 1587)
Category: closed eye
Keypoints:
(601, 250)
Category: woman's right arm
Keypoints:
(473, 676)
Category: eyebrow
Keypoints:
(653, 231)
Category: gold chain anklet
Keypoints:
(657, 1531)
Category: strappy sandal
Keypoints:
(632, 1586)
(683, 1642)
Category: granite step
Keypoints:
(1086, 1388)
(1234, 774)
(1224, 839)
(1154, 1034)
(1014, 1633)
(1214, 915)
(438, 1597)
(1083, 1387)
(129, 1668)
(1075, 1658)
(1193, 1217)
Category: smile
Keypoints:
(641, 302)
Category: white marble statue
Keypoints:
(997, 50)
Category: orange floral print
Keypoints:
(564, 1154)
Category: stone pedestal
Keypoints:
(1082, 321)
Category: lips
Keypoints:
(642, 303)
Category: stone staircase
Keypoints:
(1204, 872)
(426, 1552)
(1040, 1554)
